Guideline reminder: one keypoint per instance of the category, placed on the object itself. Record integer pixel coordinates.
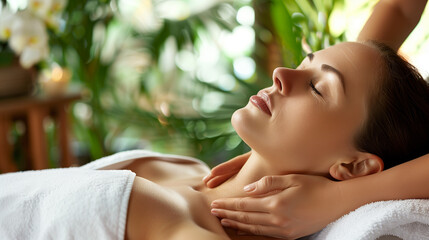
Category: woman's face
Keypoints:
(308, 118)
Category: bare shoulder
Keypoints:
(152, 209)
(158, 170)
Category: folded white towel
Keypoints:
(404, 219)
(69, 203)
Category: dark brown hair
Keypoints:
(397, 125)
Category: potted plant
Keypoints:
(24, 43)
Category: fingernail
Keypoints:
(225, 224)
(250, 187)
(205, 177)
(214, 205)
(215, 212)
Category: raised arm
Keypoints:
(408, 180)
(392, 21)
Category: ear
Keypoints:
(361, 164)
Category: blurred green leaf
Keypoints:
(284, 27)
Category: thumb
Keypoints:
(268, 184)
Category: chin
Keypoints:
(253, 128)
(250, 126)
(236, 118)
(241, 121)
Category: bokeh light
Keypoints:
(237, 43)
(211, 101)
(244, 67)
(246, 16)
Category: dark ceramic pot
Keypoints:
(16, 80)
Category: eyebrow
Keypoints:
(329, 68)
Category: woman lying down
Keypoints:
(347, 111)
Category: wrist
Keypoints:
(354, 193)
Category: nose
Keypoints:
(284, 79)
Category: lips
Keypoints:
(262, 101)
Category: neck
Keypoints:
(254, 169)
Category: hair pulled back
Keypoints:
(397, 125)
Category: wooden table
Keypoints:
(34, 109)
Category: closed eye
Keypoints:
(315, 89)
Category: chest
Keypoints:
(164, 210)
(169, 195)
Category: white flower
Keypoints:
(6, 19)
(31, 56)
(26, 30)
(29, 39)
(48, 10)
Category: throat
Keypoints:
(254, 169)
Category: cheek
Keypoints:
(308, 131)
(292, 130)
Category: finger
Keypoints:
(207, 178)
(231, 166)
(226, 169)
(257, 229)
(242, 204)
(269, 184)
(267, 194)
(217, 180)
(245, 217)
(220, 169)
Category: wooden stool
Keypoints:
(35, 109)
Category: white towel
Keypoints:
(121, 159)
(404, 219)
(69, 203)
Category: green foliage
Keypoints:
(147, 105)
(303, 22)
(6, 55)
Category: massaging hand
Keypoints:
(289, 206)
(224, 171)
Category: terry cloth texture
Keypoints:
(70, 203)
(399, 219)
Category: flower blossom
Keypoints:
(28, 38)
(48, 10)
(6, 19)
